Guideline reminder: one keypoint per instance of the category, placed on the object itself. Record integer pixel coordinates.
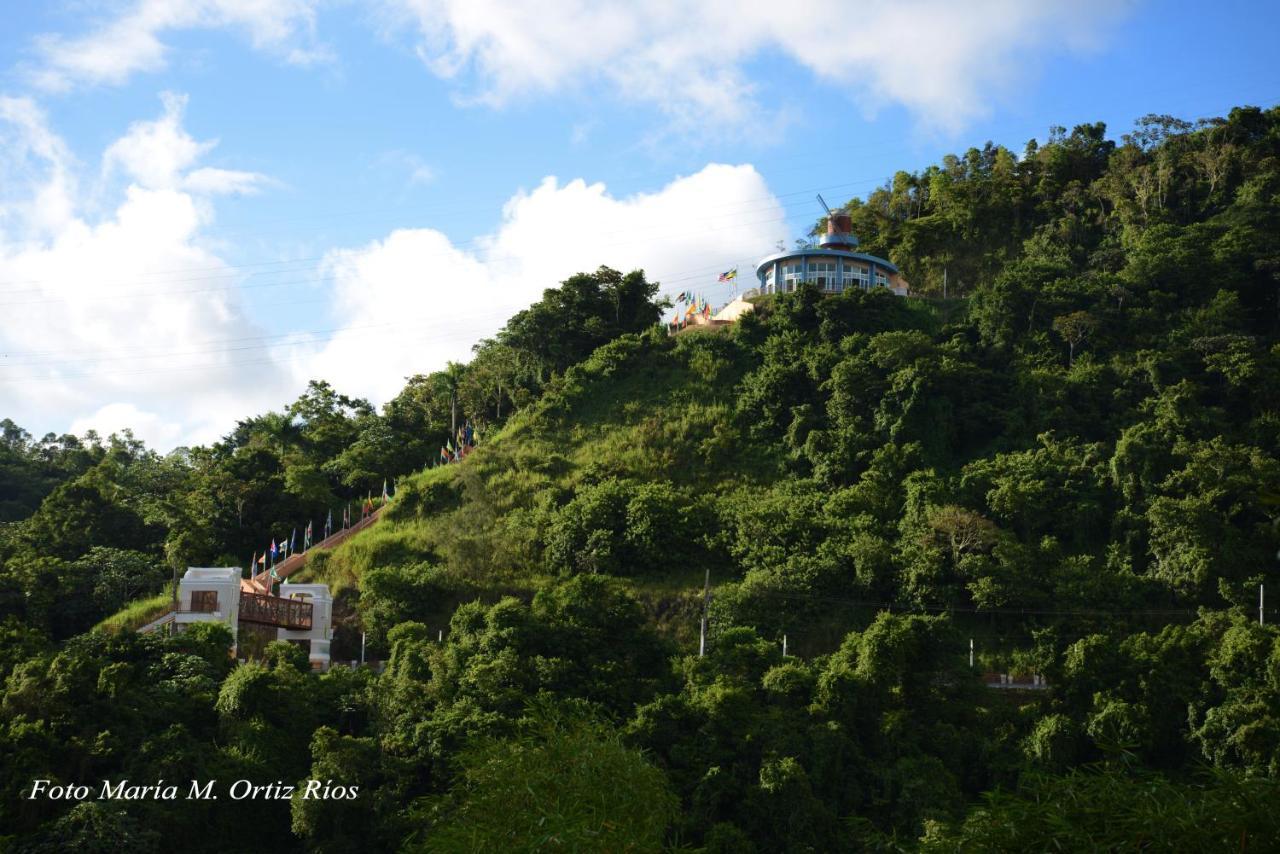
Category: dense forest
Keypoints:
(1058, 458)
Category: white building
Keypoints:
(319, 636)
(302, 614)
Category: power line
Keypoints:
(228, 270)
(222, 270)
(305, 335)
(905, 608)
(490, 260)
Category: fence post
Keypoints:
(702, 628)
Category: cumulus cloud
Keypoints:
(159, 154)
(434, 300)
(129, 320)
(131, 41)
(94, 322)
(159, 432)
(943, 60)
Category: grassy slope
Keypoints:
(644, 409)
(137, 613)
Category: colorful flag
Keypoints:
(274, 551)
(729, 275)
(306, 536)
(293, 541)
(262, 560)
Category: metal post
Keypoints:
(173, 626)
(362, 648)
(784, 646)
(440, 636)
(970, 653)
(1261, 620)
(702, 629)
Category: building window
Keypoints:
(855, 275)
(204, 601)
(792, 275)
(882, 279)
(768, 281)
(822, 274)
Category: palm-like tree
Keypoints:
(448, 382)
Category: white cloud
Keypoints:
(945, 61)
(414, 168)
(413, 300)
(159, 154)
(118, 417)
(94, 321)
(108, 325)
(131, 42)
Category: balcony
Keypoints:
(293, 614)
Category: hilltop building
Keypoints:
(833, 265)
(302, 614)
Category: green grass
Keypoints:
(647, 409)
(136, 614)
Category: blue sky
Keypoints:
(203, 205)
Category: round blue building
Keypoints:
(832, 266)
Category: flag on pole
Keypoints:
(274, 552)
(293, 541)
(306, 536)
(729, 275)
(262, 560)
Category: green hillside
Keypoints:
(1068, 469)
